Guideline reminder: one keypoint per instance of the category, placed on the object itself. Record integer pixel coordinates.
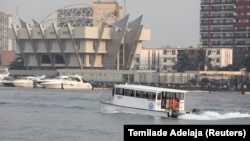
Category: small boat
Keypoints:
(28, 81)
(7, 83)
(66, 82)
(147, 100)
(4, 74)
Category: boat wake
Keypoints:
(113, 110)
(211, 115)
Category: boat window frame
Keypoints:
(75, 79)
(129, 92)
(158, 95)
(119, 92)
(150, 95)
(181, 96)
(171, 95)
(140, 94)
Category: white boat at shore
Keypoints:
(147, 100)
(4, 74)
(28, 81)
(66, 82)
(6, 83)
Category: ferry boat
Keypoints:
(147, 100)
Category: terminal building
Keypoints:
(94, 36)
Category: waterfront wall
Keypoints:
(130, 76)
(133, 76)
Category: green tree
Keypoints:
(246, 63)
(17, 63)
(237, 60)
(184, 61)
(201, 59)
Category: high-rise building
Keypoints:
(242, 25)
(225, 24)
(6, 43)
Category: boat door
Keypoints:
(170, 100)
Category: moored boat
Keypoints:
(28, 81)
(7, 83)
(66, 82)
(147, 100)
(4, 74)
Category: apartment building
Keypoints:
(220, 57)
(6, 43)
(225, 24)
(164, 59)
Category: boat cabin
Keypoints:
(149, 98)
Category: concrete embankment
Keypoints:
(206, 91)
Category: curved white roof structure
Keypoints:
(79, 15)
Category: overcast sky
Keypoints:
(172, 22)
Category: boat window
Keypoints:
(150, 95)
(174, 95)
(140, 94)
(158, 96)
(128, 92)
(169, 95)
(119, 91)
(181, 96)
(164, 96)
(76, 79)
(177, 95)
(83, 80)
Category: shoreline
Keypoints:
(236, 92)
(202, 91)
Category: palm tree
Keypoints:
(203, 61)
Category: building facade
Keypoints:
(225, 24)
(81, 37)
(220, 57)
(242, 25)
(164, 59)
(6, 57)
(6, 43)
(131, 76)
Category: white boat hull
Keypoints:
(56, 85)
(8, 83)
(25, 84)
(119, 108)
(1, 83)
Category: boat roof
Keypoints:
(148, 88)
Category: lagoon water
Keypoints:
(28, 114)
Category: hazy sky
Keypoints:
(172, 22)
